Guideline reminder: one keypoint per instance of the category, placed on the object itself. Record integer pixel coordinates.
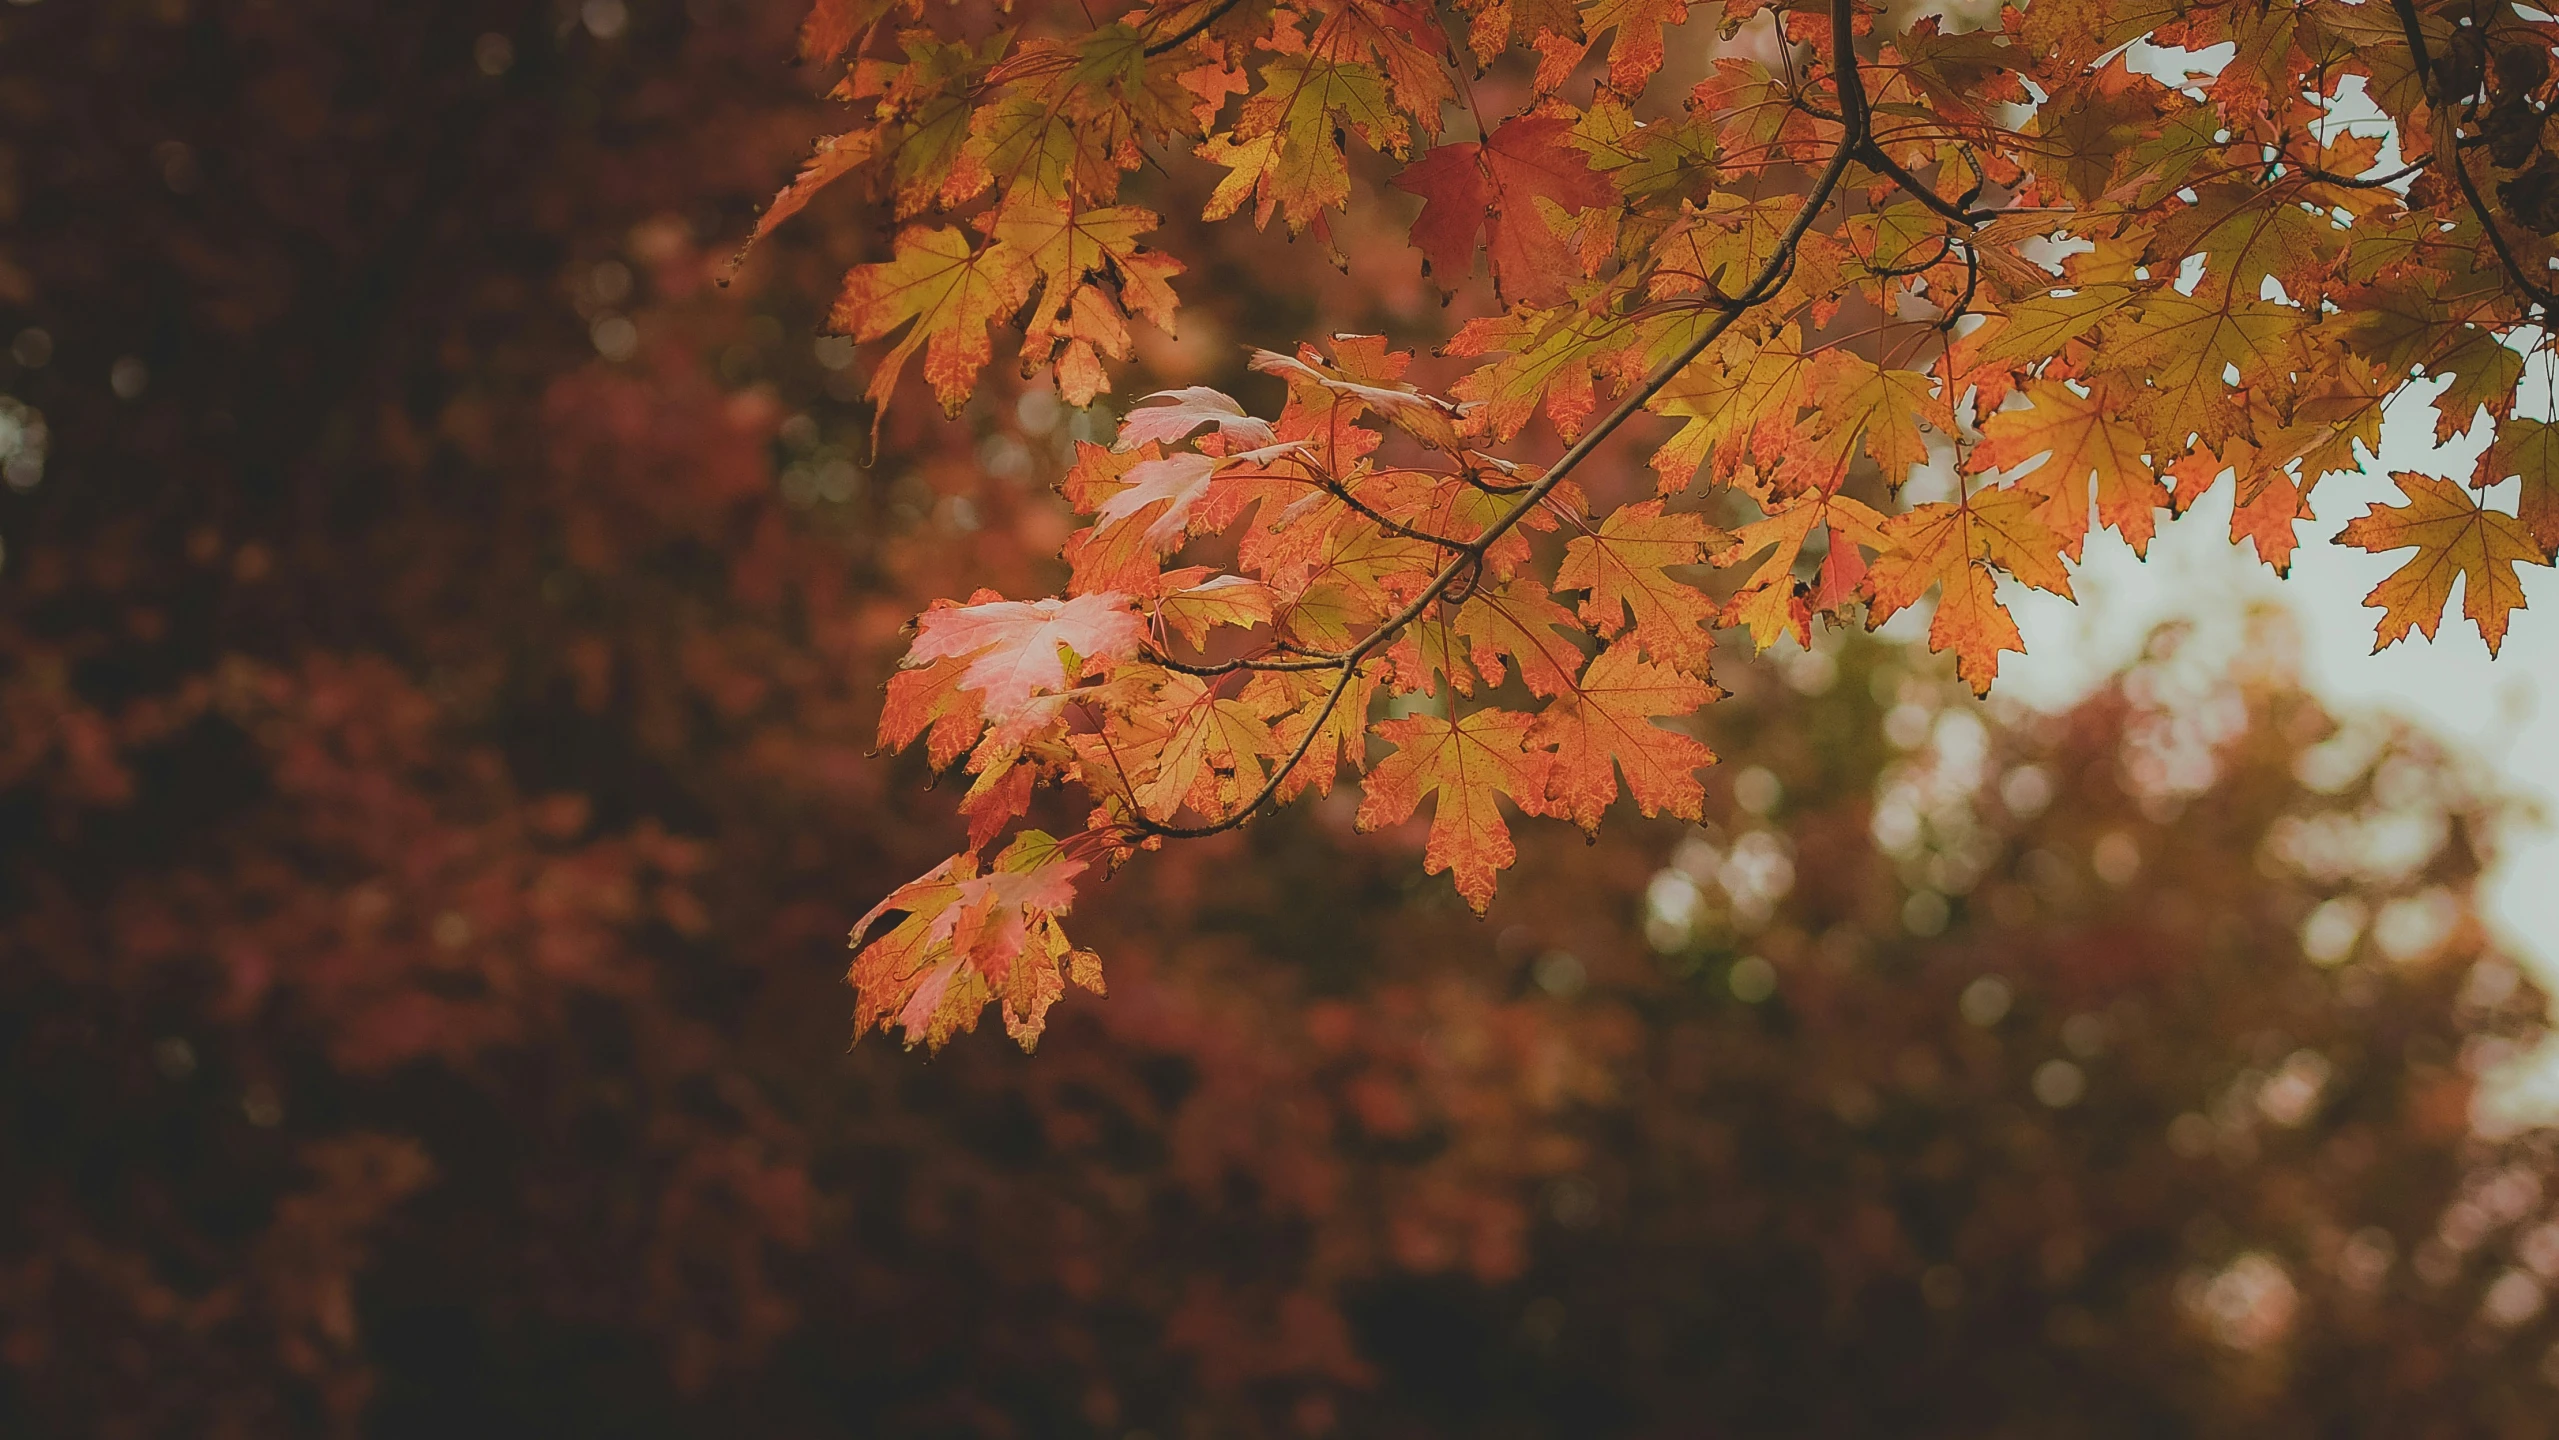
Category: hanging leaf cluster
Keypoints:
(2090, 259)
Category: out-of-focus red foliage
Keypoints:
(441, 650)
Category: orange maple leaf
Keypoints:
(2077, 436)
(833, 158)
(932, 698)
(1467, 763)
(1295, 702)
(1772, 601)
(1637, 52)
(1953, 546)
(968, 939)
(1859, 400)
(1520, 621)
(1605, 725)
(951, 291)
(1621, 566)
(833, 25)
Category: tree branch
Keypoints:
(1252, 663)
(2416, 33)
(1854, 120)
(1215, 13)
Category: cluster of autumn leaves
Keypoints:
(2038, 257)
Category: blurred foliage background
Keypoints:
(442, 634)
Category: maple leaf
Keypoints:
(1000, 795)
(931, 698)
(1117, 557)
(2048, 323)
(2481, 374)
(832, 26)
(1467, 763)
(1192, 407)
(1018, 648)
(2528, 450)
(1605, 725)
(1721, 245)
(2247, 231)
(833, 158)
(1637, 51)
(1063, 117)
(2183, 345)
(2076, 437)
(926, 105)
(1622, 567)
(1496, 189)
(1209, 756)
(1092, 272)
(1517, 620)
(1402, 40)
(1551, 357)
(1176, 482)
(2455, 538)
(1294, 701)
(1860, 401)
(1771, 602)
(950, 291)
(1427, 418)
(2266, 519)
(968, 939)
(1953, 546)
(1494, 25)
(1191, 610)
(1739, 397)
(1285, 152)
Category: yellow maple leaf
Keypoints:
(1285, 152)
(1861, 401)
(2454, 536)
(2187, 347)
(1092, 272)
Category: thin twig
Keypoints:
(1258, 666)
(2377, 182)
(1342, 492)
(1875, 158)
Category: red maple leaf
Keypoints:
(1494, 188)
